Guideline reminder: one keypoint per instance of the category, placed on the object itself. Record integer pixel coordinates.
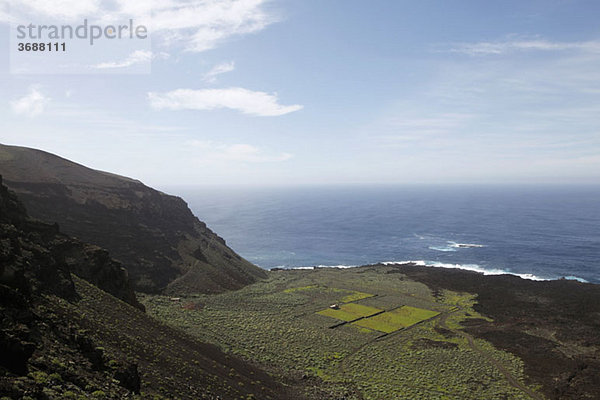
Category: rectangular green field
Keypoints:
(399, 318)
(350, 312)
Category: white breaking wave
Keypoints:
(466, 267)
(419, 263)
(465, 245)
(576, 278)
(325, 266)
(453, 246)
(445, 249)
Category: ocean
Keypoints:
(536, 232)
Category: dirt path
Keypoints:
(514, 382)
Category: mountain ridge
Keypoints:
(163, 245)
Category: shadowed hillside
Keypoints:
(36, 257)
(64, 338)
(162, 244)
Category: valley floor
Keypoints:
(362, 333)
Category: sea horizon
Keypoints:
(538, 232)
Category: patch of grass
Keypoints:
(399, 318)
(350, 312)
(355, 296)
(98, 394)
(299, 289)
(350, 295)
(39, 377)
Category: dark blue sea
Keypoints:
(532, 231)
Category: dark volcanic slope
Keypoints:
(162, 244)
(35, 256)
(63, 338)
(553, 326)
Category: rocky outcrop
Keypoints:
(35, 258)
(26, 260)
(162, 244)
(36, 263)
(95, 265)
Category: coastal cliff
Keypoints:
(161, 243)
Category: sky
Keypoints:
(301, 92)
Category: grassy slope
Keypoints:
(276, 323)
(171, 363)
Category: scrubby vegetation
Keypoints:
(285, 324)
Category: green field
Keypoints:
(399, 318)
(351, 295)
(350, 312)
(355, 296)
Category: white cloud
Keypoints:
(498, 116)
(32, 104)
(240, 152)
(503, 47)
(70, 9)
(203, 24)
(244, 100)
(4, 12)
(194, 25)
(137, 57)
(211, 76)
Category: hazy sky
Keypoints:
(314, 91)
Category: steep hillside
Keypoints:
(162, 244)
(36, 257)
(64, 338)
